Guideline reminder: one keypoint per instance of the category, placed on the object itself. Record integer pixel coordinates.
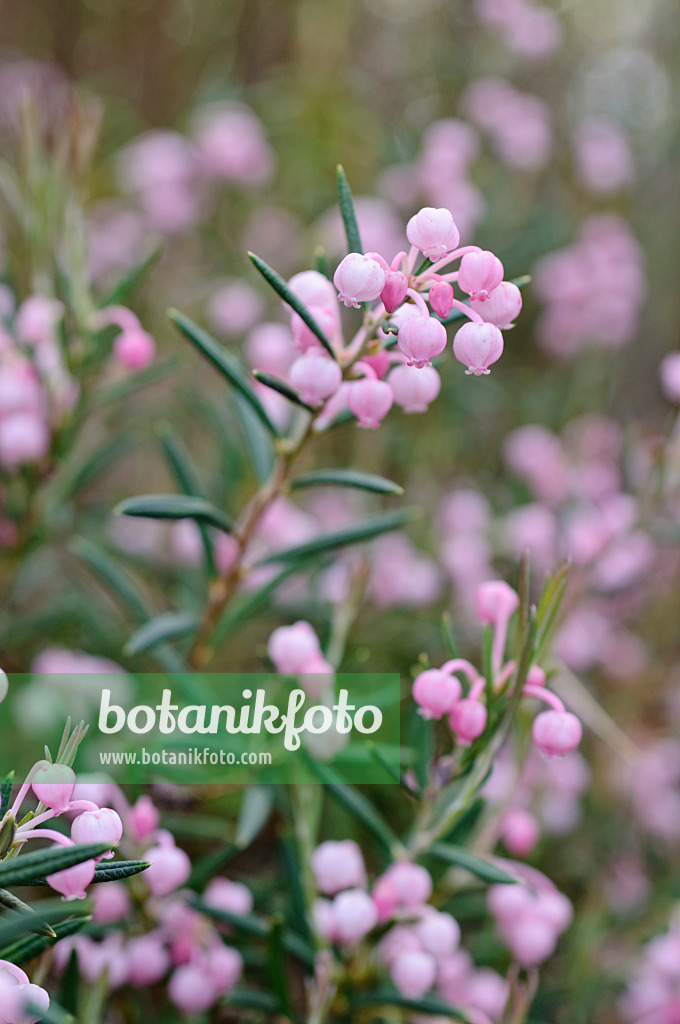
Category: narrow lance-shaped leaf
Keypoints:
(26, 949)
(366, 530)
(224, 362)
(122, 291)
(162, 629)
(185, 474)
(347, 478)
(427, 1004)
(291, 299)
(41, 863)
(349, 217)
(11, 902)
(174, 506)
(270, 381)
(478, 866)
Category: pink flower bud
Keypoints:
(36, 318)
(170, 868)
(556, 732)
(111, 903)
(17, 995)
(536, 676)
(147, 960)
(479, 274)
(370, 401)
(438, 932)
(134, 349)
(72, 882)
(379, 363)
(495, 601)
(440, 297)
(232, 897)
(477, 346)
(338, 865)
(289, 647)
(354, 915)
(303, 337)
(519, 831)
(414, 974)
(315, 378)
(402, 886)
(433, 232)
(358, 279)
(143, 819)
(468, 721)
(421, 339)
(394, 292)
(102, 826)
(224, 967)
(670, 376)
(191, 990)
(53, 784)
(436, 692)
(24, 438)
(501, 307)
(414, 388)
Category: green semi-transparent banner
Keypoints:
(209, 728)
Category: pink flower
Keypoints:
(394, 291)
(440, 297)
(354, 915)
(338, 865)
(468, 720)
(17, 994)
(224, 967)
(477, 346)
(315, 378)
(143, 819)
(501, 306)
(519, 831)
(402, 886)
(111, 903)
(414, 388)
(72, 882)
(134, 349)
(147, 959)
(438, 932)
(53, 784)
(232, 897)
(370, 401)
(479, 274)
(495, 602)
(414, 973)
(433, 232)
(291, 647)
(24, 438)
(170, 866)
(102, 826)
(556, 732)
(436, 692)
(191, 990)
(421, 339)
(358, 279)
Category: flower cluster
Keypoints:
(439, 692)
(164, 938)
(593, 290)
(528, 29)
(652, 994)
(518, 123)
(411, 296)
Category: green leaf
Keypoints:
(347, 478)
(253, 924)
(478, 866)
(254, 814)
(349, 217)
(20, 870)
(70, 984)
(390, 997)
(249, 604)
(277, 969)
(186, 475)
(28, 948)
(170, 626)
(113, 576)
(174, 506)
(121, 292)
(89, 470)
(6, 793)
(357, 805)
(291, 299)
(284, 389)
(16, 924)
(13, 903)
(366, 530)
(251, 999)
(116, 871)
(224, 362)
(151, 374)
(258, 440)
